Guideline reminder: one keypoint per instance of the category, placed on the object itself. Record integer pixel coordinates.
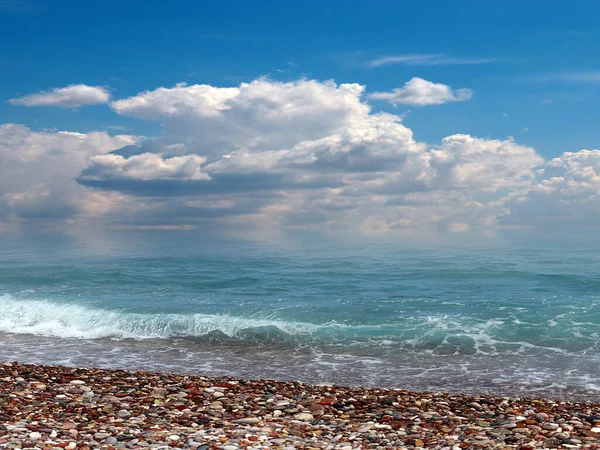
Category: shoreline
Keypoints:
(56, 407)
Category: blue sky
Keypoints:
(133, 46)
(501, 72)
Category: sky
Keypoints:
(330, 115)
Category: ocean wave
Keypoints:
(46, 318)
(437, 334)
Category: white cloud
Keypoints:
(567, 191)
(262, 114)
(303, 154)
(67, 97)
(38, 170)
(420, 92)
(147, 166)
(426, 60)
(485, 165)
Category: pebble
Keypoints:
(123, 413)
(248, 421)
(305, 417)
(35, 435)
(117, 410)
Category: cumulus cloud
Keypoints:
(300, 154)
(263, 114)
(147, 166)
(304, 153)
(566, 191)
(486, 165)
(68, 97)
(420, 92)
(38, 169)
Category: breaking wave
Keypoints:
(442, 334)
(45, 318)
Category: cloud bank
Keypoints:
(37, 171)
(68, 97)
(302, 154)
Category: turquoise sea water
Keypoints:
(515, 313)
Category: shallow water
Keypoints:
(514, 314)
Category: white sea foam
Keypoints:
(45, 318)
(437, 334)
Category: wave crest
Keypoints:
(45, 318)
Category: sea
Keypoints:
(512, 313)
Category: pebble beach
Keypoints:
(54, 408)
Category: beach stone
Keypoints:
(258, 414)
(77, 382)
(35, 435)
(248, 421)
(316, 409)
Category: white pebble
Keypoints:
(35, 435)
(248, 421)
(305, 417)
(79, 382)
